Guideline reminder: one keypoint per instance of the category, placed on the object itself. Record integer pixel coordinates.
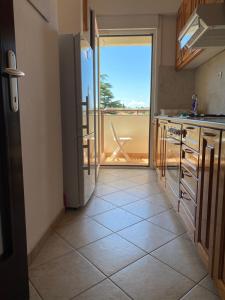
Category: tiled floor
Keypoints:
(128, 243)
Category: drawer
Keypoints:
(190, 182)
(187, 222)
(189, 204)
(191, 136)
(190, 160)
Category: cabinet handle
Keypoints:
(209, 134)
(183, 196)
(188, 151)
(187, 174)
(190, 128)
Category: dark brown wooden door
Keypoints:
(207, 194)
(13, 252)
(219, 255)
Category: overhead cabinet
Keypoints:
(184, 56)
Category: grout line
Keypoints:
(197, 284)
(120, 269)
(184, 275)
(89, 288)
(36, 290)
(121, 288)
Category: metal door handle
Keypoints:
(14, 73)
(88, 168)
(209, 134)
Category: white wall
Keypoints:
(134, 7)
(70, 16)
(210, 87)
(37, 55)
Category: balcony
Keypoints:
(132, 124)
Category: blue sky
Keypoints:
(129, 71)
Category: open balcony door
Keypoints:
(96, 49)
(13, 251)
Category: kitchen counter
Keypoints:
(214, 122)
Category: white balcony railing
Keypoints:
(132, 123)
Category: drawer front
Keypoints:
(189, 204)
(191, 136)
(190, 160)
(187, 221)
(190, 182)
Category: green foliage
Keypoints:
(106, 95)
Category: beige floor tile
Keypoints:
(64, 277)
(182, 256)
(104, 189)
(146, 235)
(117, 219)
(207, 283)
(145, 190)
(96, 206)
(123, 184)
(72, 215)
(33, 293)
(120, 198)
(199, 293)
(105, 290)
(169, 221)
(144, 209)
(111, 253)
(149, 279)
(106, 178)
(54, 247)
(142, 179)
(81, 233)
(160, 199)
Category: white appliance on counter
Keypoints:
(78, 119)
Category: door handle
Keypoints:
(14, 73)
(209, 134)
(88, 168)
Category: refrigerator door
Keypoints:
(87, 87)
(88, 167)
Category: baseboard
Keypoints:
(33, 254)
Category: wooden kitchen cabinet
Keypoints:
(219, 255)
(207, 194)
(185, 56)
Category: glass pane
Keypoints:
(190, 33)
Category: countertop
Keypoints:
(211, 122)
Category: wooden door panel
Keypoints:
(219, 256)
(207, 173)
(207, 194)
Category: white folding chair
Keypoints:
(120, 141)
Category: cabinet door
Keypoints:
(207, 194)
(160, 154)
(219, 256)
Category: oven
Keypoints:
(173, 156)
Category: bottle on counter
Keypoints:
(194, 104)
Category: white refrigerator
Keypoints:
(78, 119)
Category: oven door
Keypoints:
(173, 154)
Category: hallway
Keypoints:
(127, 243)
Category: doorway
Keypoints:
(125, 99)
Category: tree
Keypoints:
(106, 95)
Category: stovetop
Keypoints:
(197, 116)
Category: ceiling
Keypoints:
(137, 7)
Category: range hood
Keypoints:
(205, 28)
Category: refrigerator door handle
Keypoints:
(88, 168)
(86, 103)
